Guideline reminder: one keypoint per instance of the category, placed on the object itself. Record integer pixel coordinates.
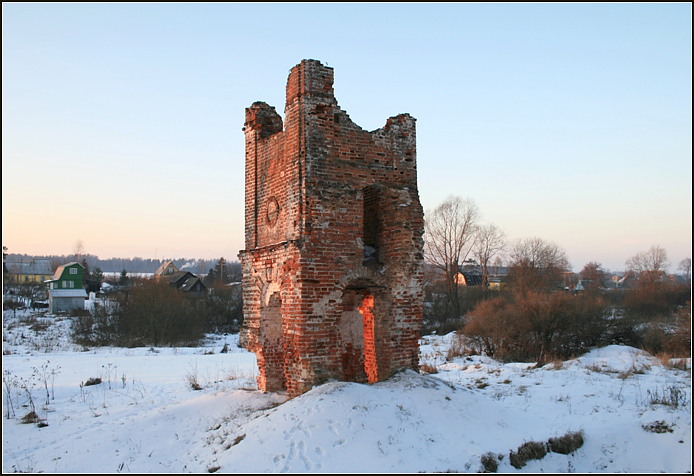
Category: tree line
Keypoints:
(117, 265)
(541, 313)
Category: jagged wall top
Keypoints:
(310, 77)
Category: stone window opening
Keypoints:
(371, 227)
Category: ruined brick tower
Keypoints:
(332, 270)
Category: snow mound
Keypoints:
(391, 426)
(617, 358)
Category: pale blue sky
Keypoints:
(569, 122)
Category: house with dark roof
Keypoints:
(66, 291)
(468, 278)
(472, 274)
(184, 281)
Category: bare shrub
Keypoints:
(47, 373)
(192, 378)
(28, 386)
(670, 396)
(566, 444)
(31, 417)
(224, 308)
(492, 326)
(679, 342)
(458, 348)
(9, 383)
(659, 426)
(490, 462)
(655, 298)
(155, 313)
(40, 325)
(100, 327)
(92, 381)
(193, 381)
(526, 452)
(536, 326)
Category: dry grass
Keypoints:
(557, 365)
(659, 426)
(490, 462)
(31, 417)
(566, 444)
(457, 349)
(193, 381)
(634, 370)
(526, 452)
(670, 396)
(668, 361)
(427, 368)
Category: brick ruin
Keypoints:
(332, 270)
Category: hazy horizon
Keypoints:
(672, 268)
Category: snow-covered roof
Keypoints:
(33, 266)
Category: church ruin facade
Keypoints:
(332, 266)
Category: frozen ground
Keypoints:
(634, 412)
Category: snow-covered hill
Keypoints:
(633, 412)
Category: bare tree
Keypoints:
(593, 275)
(686, 267)
(497, 265)
(649, 266)
(451, 232)
(537, 264)
(491, 240)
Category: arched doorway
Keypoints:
(358, 335)
(272, 344)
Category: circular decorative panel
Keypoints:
(272, 210)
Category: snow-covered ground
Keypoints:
(633, 411)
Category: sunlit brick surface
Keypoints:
(332, 270)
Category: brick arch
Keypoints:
(362, 277)
(268, 289)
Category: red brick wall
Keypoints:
(317, 185)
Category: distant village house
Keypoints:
(66, 291)
(182, 280)
(29, 271)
